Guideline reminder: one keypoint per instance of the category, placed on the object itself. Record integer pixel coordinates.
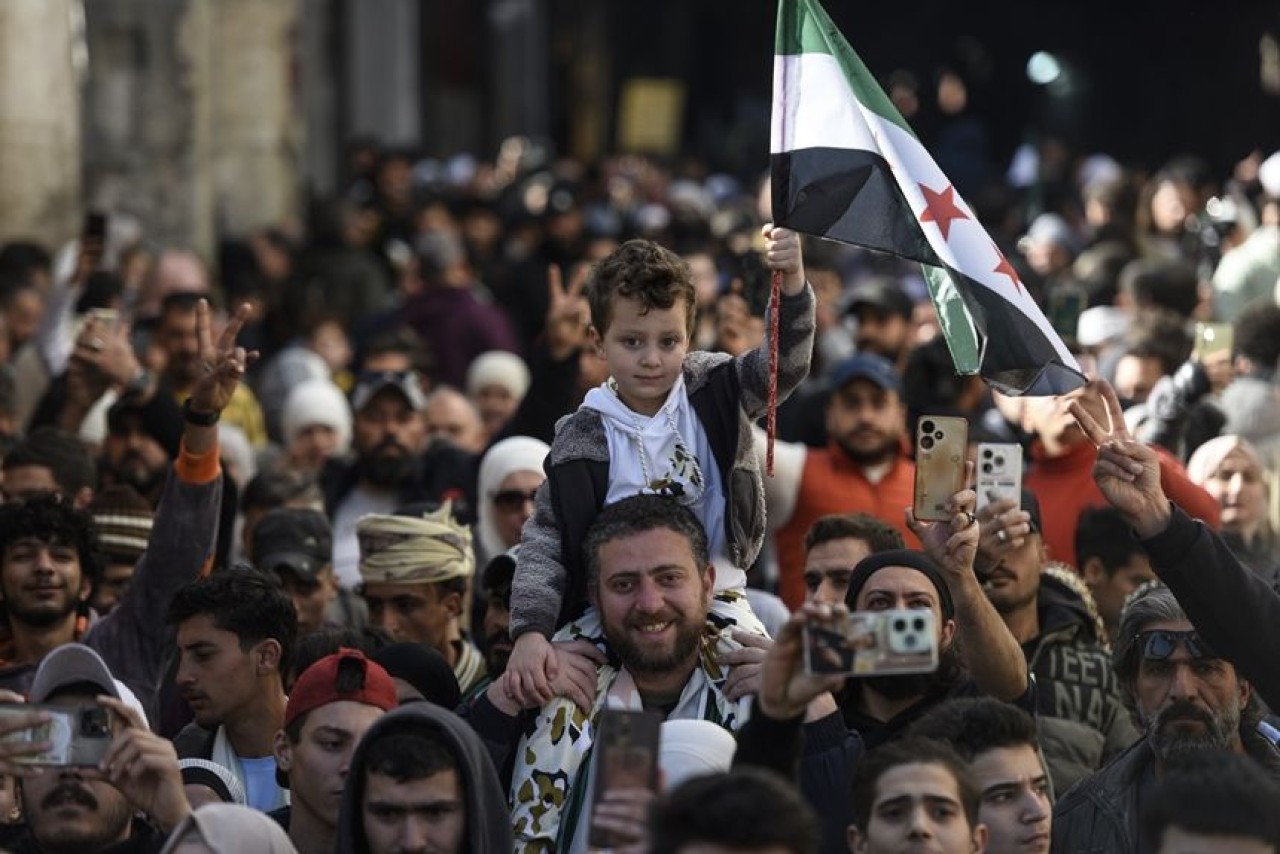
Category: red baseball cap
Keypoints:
(318, 686)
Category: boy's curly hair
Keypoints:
(644, 271)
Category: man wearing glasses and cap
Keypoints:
(393, 465)
(1184, 696)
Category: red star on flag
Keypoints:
(941, 208)
(1004, 268)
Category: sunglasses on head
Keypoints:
(1159, 644)
(512, 499)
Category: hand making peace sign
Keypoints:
(1127, 471)
(222, 366)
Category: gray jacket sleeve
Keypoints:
(131, 638)
(796, 323)
(538, 586)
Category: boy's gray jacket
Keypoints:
(728, 394)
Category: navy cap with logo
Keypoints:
(405, 382)
(870, 367)
(293, 539)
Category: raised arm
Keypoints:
(130, 639)
(991, 654)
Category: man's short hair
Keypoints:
(1257, 335)
(1214, 793)
(911, 751)
(1153, 602)
(408, 751)
(54, 518)
(245, 602)
(643, 271)
(745, 808)
(1101, 532)
(63, 454)
(879, 536)
(1160, 335)
(180, 302)
(972, 726)
(1171, 285)
(640, 514)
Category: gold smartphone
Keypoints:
(942, 445)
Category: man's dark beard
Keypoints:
(110, 825)
(133, 471)
(882, 454)
(38, 618)
(387, 470)
(497, 651)
(909, 685)
(1216, 735)
(637, 660)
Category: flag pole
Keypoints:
(771, 421)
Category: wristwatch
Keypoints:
(200, 419)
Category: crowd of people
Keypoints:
(380, 533)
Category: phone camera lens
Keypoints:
(909, 640)
(899, 625)
(986, 468)
(926, 442)
(926, 427)
(938, 435)
(986, 455)
(999, 461)
(918, 624)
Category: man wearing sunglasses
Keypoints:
(1184, 699)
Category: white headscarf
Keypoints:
(1209, 456)
(233, 829)
(517, 453)
(498, 367)
(316, 401)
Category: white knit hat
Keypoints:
(316, 401)
(498, 367)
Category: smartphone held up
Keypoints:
(942, 446)
(77, 736)
(872, 643)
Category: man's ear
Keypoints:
(857, 842)
(1246, 691)
(596, 337)
(283, 751)
(83, 497)
(453, 604)
(948, 634)
(709, 579)
(980, 839)
(267, 657)
(1093, 572)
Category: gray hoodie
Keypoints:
(488, 818)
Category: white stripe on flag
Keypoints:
(815, 84)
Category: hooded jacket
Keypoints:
(488, 825)
(1083, 721)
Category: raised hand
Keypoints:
(144, 767)
(1002, 526)
(1127, 472)
(567, 313)
(785, 688)
(223, 365)
(952, 544)
(782, 253)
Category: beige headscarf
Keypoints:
(414, 550)
(233, 829)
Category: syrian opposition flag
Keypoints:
(847, 167)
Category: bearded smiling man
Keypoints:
(651, 580)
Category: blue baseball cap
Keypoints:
(870, 367)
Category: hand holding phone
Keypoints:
(626, 759)
(76, 736)
(872, 643)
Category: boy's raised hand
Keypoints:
(782, 253)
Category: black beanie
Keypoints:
(919, 561)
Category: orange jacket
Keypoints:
(833, 483)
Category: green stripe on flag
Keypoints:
(953, 318)
(804, 27)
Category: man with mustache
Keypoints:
(1083, 722)
(651, 579)
(1184, 698)
(393, 466)
(863, 469)
(69, 808)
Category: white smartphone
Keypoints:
(999, 473)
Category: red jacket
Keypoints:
(1064, 486)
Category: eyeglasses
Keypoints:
(512, 500)
(1159, 644)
